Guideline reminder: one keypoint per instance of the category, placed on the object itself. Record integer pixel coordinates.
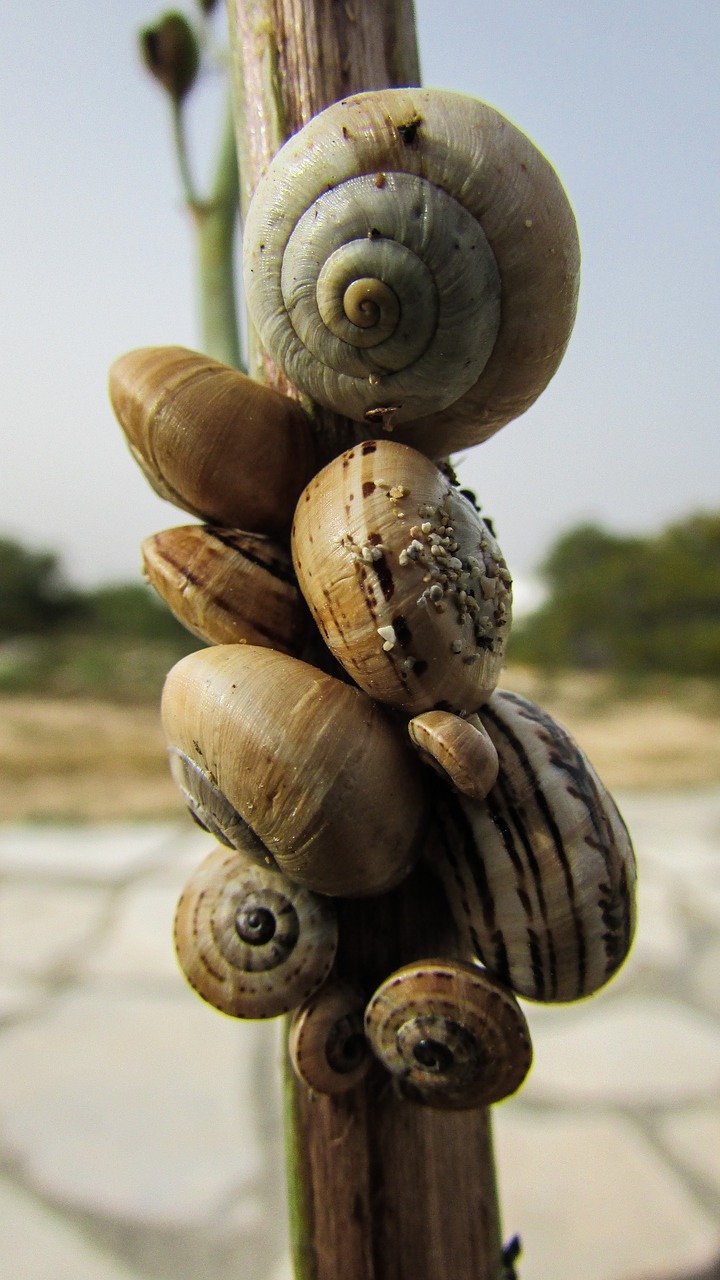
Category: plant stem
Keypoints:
(379, 1188)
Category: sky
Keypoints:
(623, 96)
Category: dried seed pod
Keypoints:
(404, 579)
(227, 586)
(249, 942)
(313, 767)
(411, 258)
(540, 875)
(211, 440)
(461, 751)
(327, 1044)
(452, 1036)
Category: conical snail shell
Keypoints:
(540, 875)
(211, 440)
(410, 250)
(314, 767)
(227, 586)
(450, 1034)
(327, 1043)
(249, 942)
(404, 579)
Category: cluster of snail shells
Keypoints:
(316, 788)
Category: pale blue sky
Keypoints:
(622, 95)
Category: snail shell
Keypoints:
(313, 767)
(410, 250)
(450, 1034)
(227, 586)
(249, 942)
(461, 751)
(540, 876)
(404, 579)
(211, 440)
(327, 1043)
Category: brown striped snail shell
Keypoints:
(313, 767)
(411, 261)
(227, 586)
(210, 440)
(249, 942)
(327, 1043)
(404, 579)
(540, 876)
(451, 1035)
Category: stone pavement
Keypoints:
(140, 1131)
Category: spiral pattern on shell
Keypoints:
(249, 942)
(409, 249)
(451, 1035)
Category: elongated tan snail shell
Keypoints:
(211, 440)
(540, 876)
(227, 586)
(410, 250)
(454, 1037)
(327, 1043)
(249, 942)
(404, 579)
(461, 751)
(313, 767)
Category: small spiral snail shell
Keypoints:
(227, 586)
(327, 1043)
(460, 750)
(404, 579)
(249, 942)
(210, 440)
(451, 1035)
(407, 251)
(314, 768)
(540, 875)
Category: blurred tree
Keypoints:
(33, 595)
(629, 604)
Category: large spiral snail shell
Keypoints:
(315, 769)
(249, 942)
(451, 1035)
(410, 250)
(227, 586)
(210, 440)
(540, 876)
(404, 579)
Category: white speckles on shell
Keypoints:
(541, 874)
(249, 942)
(484, 309)
(412, 624)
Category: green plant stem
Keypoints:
(215, 221)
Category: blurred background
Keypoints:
(606, 500)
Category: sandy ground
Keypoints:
(85, 760)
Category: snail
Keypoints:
(451, 1035)
(212, 441)
(249, 942)
(540, 875)
(411, 593)
(327, 1044)
(411, 261)
(227, 586)
(311, 767)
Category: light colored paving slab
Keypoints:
(36, 1244)
(104, 852)
(634, 1051)
(590, 1200)
(677, 832)
(693, 1136)
(663, 937)
(704, 980)
(140, 1107)
(41, 925)
(18, 996)
(139, 945)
